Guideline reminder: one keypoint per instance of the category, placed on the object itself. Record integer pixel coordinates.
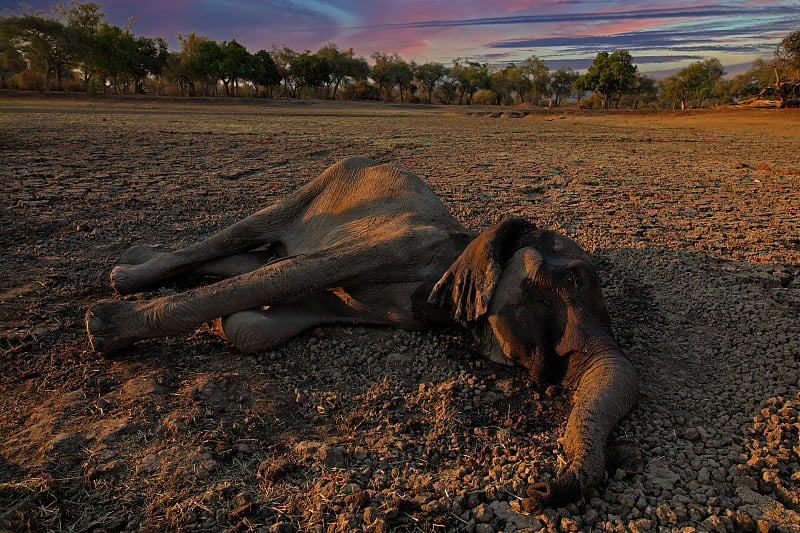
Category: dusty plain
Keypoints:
(693, 220)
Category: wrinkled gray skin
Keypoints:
(369, 244)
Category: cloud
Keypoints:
(715, 11)
(678, 39)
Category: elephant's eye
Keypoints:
(574, 280)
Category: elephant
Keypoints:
(370, 244)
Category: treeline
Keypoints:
(75, 49)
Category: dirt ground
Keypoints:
(692, 218)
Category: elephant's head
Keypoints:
(533, 297)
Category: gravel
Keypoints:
(691, 218)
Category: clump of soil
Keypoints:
(691, 218)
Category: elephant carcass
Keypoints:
(372, 244)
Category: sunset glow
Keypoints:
(660, 35)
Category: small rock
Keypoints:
(399, 359)
(763, 526)
(483, 513)
(642, 525)
(568, 524)
(692, 434)
(273, 470)
(713, 524)
(370, 515)
(666, 516)
(744, 522)
(329, 456)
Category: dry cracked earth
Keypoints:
(692, 219)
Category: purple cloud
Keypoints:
(499, 31)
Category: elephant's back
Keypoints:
(359, 188)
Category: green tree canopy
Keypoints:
(45, 42)
(343, 65)
(310, 70)
(284, 57)
(234, 63)
(695, 83)
(470, 78)
(539, 75)
(610, 76)
(265, 72)
(390, 71)
(561, 83)
(429, 75)
(754, 81)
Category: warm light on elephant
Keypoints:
(372, 244)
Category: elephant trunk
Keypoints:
(606, 389)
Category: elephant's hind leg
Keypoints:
(264, 229)
(260, 330)
(291, 280)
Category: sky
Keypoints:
(662, 36)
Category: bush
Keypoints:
(361, 90)
(28, 80)
(483, 97)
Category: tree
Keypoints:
(786, 67)
(499, 86)
(610, 76)
(126, 60)
(754, 82)
(310, 70)
(470, 78)
(694, 83)
(518, 81)
(380, 74)
(429, 75)
(45, 43)
(643, 89)
(561, 83)
(343, 65)
(391, 71)
(538, 74)
(447, 90)
(83, 19)
(234, 63)
(181, 68)
(284, 57)
(265, 72)
(104, 59)
(11, 59)
(150, 58)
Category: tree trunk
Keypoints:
(779, 87)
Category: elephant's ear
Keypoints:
(467, 286)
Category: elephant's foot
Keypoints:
(134, 270)
(108, 325)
